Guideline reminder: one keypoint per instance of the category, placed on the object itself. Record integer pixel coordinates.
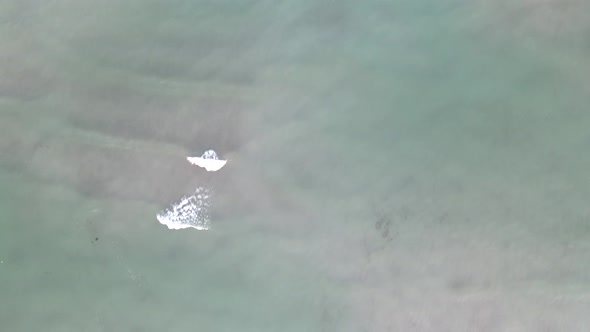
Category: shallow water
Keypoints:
(393, 166)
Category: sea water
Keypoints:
(393, 166)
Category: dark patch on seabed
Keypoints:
(203, 122)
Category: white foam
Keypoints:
(189, 212)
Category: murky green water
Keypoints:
(393, 166)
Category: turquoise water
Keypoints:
(393, 166)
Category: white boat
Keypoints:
(209, 161)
